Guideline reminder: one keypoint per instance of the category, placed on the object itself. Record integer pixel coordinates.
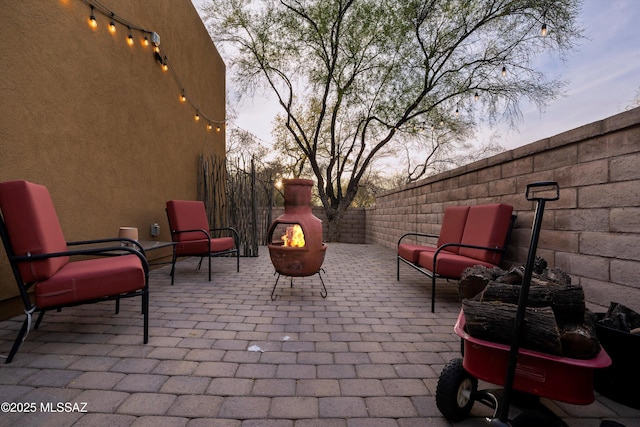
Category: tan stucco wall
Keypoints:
(99, 122)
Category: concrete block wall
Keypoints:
(353, 227)
(593, 230)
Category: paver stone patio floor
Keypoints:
(222, 353)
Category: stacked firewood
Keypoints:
(556, 320)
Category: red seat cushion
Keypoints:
(487, 225)
(199, 247)
(33, 227)
(85, 280)
(411, 252)
(450, 232)
(448, 264)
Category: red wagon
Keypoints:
(525, 375)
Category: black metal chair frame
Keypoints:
(112, 250)
(432, 272)
(209, 255)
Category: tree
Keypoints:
(368, 70)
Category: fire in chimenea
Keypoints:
(293, 237)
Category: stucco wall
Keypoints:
(98, 121)
(593, 230)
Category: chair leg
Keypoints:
(433, 292)
(173, 265)
(397, 268)
(209, 266)
(19, 339)
(39, 319)
(237, 261)
(145, 314)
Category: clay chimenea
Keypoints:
(298, 250)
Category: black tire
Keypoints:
(454, 391)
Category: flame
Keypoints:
(294, 237)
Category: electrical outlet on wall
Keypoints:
(155, 230)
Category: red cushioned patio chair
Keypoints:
(486, 230)
(450, 232)
(40, 259)
(190, 231)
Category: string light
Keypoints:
(476, 96)
(504, 71)
(543, 30)
(92, 20)
(147, 38)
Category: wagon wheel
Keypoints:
(455, 390)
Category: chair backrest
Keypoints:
(487, 225)
(32, 227)
(455, 217)
(187, 215)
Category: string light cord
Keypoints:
(159, 53)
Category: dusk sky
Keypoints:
(603, 75)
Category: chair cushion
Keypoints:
(487, 225)
(33, 227)
(450, 232)
(449, 265)
(187, 215)
(85, 280)
(411, 252)
(199, 247)
(453, 223)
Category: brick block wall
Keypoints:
(353, 227)
(593, 230)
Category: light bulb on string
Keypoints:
(197, 117)
(145, 41)
(130, 38)
(209, 127)
(218, 128)
(504, 71)
(165, 66)
(92, 20)
(476, 96)
(183, 97)
(112, 27)
(543, 30)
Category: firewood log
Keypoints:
(567, 301)
(494, 321)
(580, 341)
(474, 279)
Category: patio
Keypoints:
(221, 353)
